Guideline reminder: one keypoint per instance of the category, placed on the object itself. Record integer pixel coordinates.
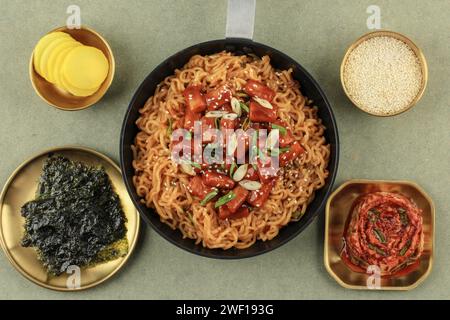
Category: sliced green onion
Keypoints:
(374, 214)
(236, 106)
(376, 249)
(232, 168)
(190, 217)
(403, 216)
(188, 136)
(272, 139)
(187, 168)
(282, 130)
(405, 248)
(380, 236)
(216, 113)
(225, 199)
(261, 155)
(232, 144)
(194, 164)
(245, 107)
(296, 215)
(401, 210)
(241, 95)
(277, 152)
(263, 103)
(255, 167)
(170, 128)
(240, 173)
(250, 185)
(209, 197)
(404, 219)
(230, 116)
(255, 143)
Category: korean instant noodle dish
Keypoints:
(229, 150)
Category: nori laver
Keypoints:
(76, 218)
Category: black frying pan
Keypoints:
(279, 60)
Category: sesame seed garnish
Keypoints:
(383, 75)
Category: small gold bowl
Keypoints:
(337, 210)
(64, 100)
(21, 187)
(414, 48)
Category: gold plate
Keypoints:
(336, 213)
(61, 99)
(21, 187)
(414, 48)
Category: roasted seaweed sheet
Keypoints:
(76, 218)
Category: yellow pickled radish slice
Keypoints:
(85, 67)
(42, 44)
(59, 63)
(59, 82)
(76, 91)
(46, 53)
(49, 67)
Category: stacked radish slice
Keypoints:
(70, 65)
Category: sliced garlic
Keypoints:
(263, 103)
(240, 173)
(187, 168)
(250, 185)
(236, 106)
(272, 139)
(215, 114)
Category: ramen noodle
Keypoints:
(229, 205)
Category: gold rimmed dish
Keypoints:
(61, 99)
(417, 51)
(337, 211)
(21, 187)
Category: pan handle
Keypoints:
(240, 19)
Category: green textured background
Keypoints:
(413, 146)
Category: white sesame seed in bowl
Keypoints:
(384, 73)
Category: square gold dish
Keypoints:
(338, 208)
